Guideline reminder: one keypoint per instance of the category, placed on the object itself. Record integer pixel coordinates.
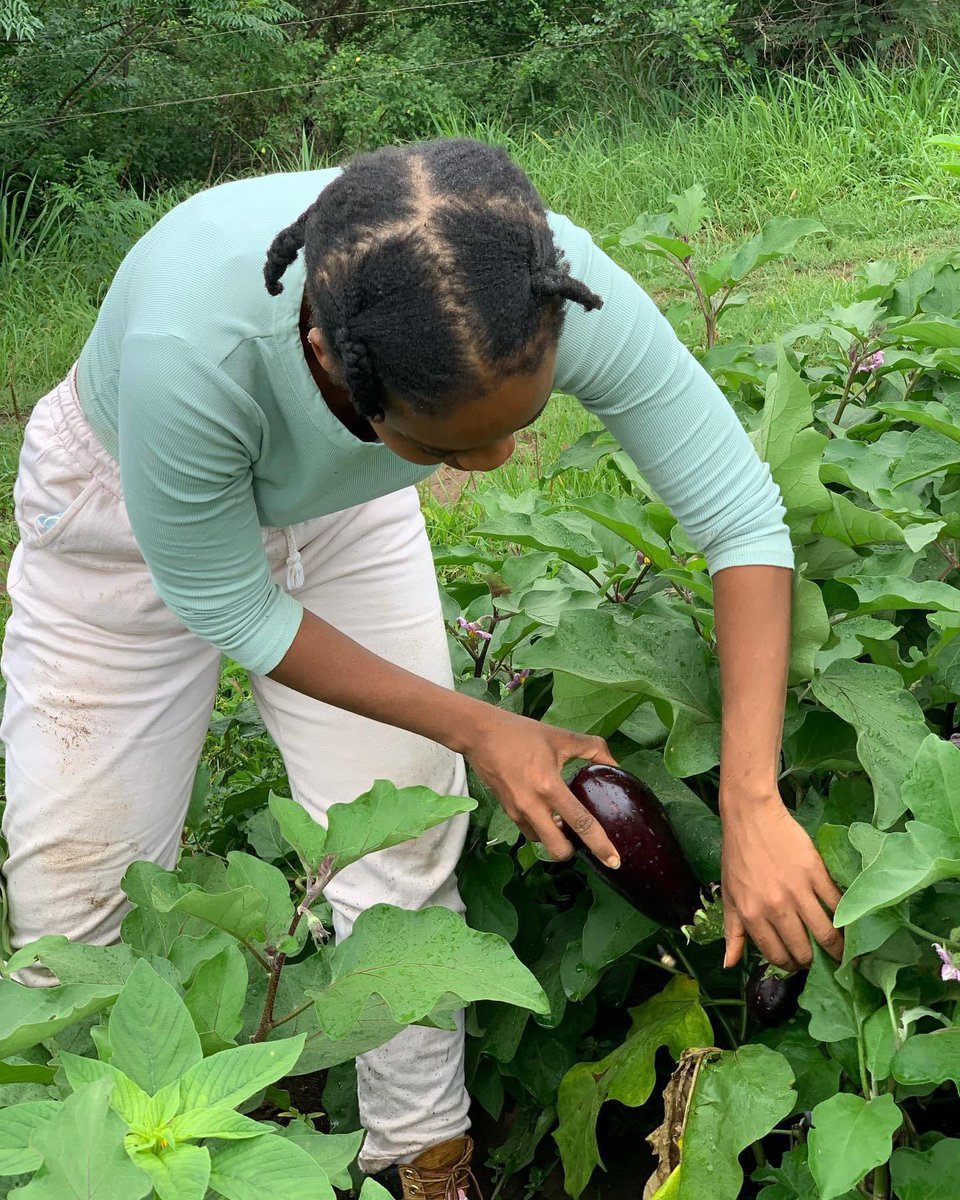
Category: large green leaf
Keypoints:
(180, 1172)
(241, 911)
(215, 998)
(152, 1038)
(246, 871)
(568, 534)
(778, 237)
(215, 1122)
(738, 1098)
(879, 593)
(660, 657)
(136, 1106)
(674, 1019)
(932, 789)
(927, 453)
(629, 518)
(412, 960)
(612, 928)
(384, 816)
(810, 627)
(927, 1175)
(889, 724)
(18, 1124)
(855, 526)
(226, 1079)
(850, 1137)
(929, 1058)
(786, 441)
(589, 707)
(905, 864)
(83, 1154)
(332, 1151)
(31, 1015)
(483, 877)
(271, 1165)
(832, 1016)
(76, 962)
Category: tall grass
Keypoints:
(848, 146)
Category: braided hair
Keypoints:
(431, 270)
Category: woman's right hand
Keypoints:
(520, 760)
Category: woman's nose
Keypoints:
(488, 458)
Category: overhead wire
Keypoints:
(321, 81)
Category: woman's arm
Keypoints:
(517, 758)
(773, 878)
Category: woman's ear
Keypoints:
(323, 353)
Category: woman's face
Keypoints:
(478, 434)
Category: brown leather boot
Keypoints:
(440, 1173)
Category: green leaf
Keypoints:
(810, 627)
(386, 816)
(832, 1016)
(932, 789)
(850, 1137)
(147, 928)
(690, 210)
(215, 999)
(241, 912)
(18, 1124)
(660, 657)
(76, 962)
(152, 1038)
(777, 237)
(927, 453)
(786, 442)
(851, 637)
(674, 1019)
(483, 876)
(304, 834)
(371, 1190)
(245, 870)
(629, 518)
(412, 960)
(612, 928)
(83, 1154)
(927, 1175)
(879, 593)
(178, 1173)
(938, 332)
(816, 1074)
(855, 526)
(334, 1152)
(905, 864)
(739, 1096)
(929, 1058)
(589, 707)
(215, 1122)
(30, 1015)
(245, 1170)
(889, 724)
(791, 1180)
(226, 1079)
(136, 1106)
(569, 535)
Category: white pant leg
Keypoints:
(108, 694)
(369, 573)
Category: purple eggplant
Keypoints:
(773, 999)
(654, 874)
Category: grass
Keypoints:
(850, 148)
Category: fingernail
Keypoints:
(613, 862)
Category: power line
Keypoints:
(323, 81)
(264, 28)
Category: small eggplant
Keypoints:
(654, 874)
(773, 999)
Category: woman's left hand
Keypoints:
(775, 886)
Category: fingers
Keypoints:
(587, 828)
(768, 941)
(826, 889)
(595, 749)
(735, 935)
(823, 930)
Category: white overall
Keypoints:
(107, 704)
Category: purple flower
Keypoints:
(950, 971)
(473, 630)
(872, 363)
(517, 680)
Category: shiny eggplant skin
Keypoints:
(771, 999)
(654, 874)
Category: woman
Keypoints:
(231, 469)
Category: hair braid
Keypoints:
(555, 282)
(283, 250)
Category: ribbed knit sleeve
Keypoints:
(626, 364)
(187, 440)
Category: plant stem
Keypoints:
(636, 583)
(312, 890)
(928, 936)
(256, 954)
(881, 1182)
(292, 1015)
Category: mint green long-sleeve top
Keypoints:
(195, 380)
